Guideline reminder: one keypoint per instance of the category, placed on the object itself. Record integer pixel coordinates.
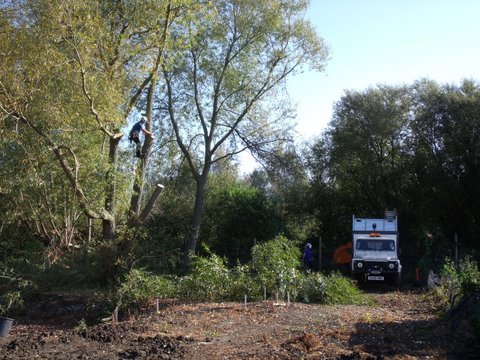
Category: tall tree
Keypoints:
(283, 179)
(365, 146)
(71, 72)
(221, 93)
(445, 138)
(236, 217)
(359, 165)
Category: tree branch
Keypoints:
(151, 203)
(157, 63)
(173, 121)
(71, 175)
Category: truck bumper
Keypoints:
(376, 270)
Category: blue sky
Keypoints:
(385, 42)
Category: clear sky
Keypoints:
(383, 42)
(386, 42)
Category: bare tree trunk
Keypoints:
(139, 182)
(109, 224)
(137, 191)
(136, 215)
(194, 232)
(151, 203)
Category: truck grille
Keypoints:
(382, 266)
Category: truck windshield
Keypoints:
(375, 245)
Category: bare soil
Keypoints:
(402, 325)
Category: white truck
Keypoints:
(375, 249)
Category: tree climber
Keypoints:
(135, 135)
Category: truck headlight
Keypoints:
(359, 265)
(393, 265)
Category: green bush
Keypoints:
(208, 280)
(329, 289)
(243, 282)
(276, 263)
(458, 282)
(140, 285)
(342, 290)
(11, 303)
(469, 275)
(60, 276)
(311, 288)
(236, 214)
(15, 289)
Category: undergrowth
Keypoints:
(273, 273)
(458, 292)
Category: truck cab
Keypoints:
(375, 249)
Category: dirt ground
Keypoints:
(401, 325)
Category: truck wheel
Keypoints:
(397, 280)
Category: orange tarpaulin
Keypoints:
(343, 254)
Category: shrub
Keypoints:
(276, 263)
(456, 283)
(11, 303)
(208, 279)
(243, 282)
(456, 292)
(140, 285)
(342, 290)
(15, 289)
(331, 289)
(469, 275)
(311, 288)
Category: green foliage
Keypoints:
(275, 265)
(444, 139)
(81, 326)
(342, 290)
(21, 279)
(463, 280)
(469, 275)
(236, 215)
(15, 288)
(89, 267)
(457, 285)
(140, 285)
(414, 148)
(244, 282)
(365, 142)
(208, 280)
(11, 302)
(311, 288)
(167, 227)
(276, 262)
(328, 289)
(243, 75)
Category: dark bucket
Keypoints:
(5, 326)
